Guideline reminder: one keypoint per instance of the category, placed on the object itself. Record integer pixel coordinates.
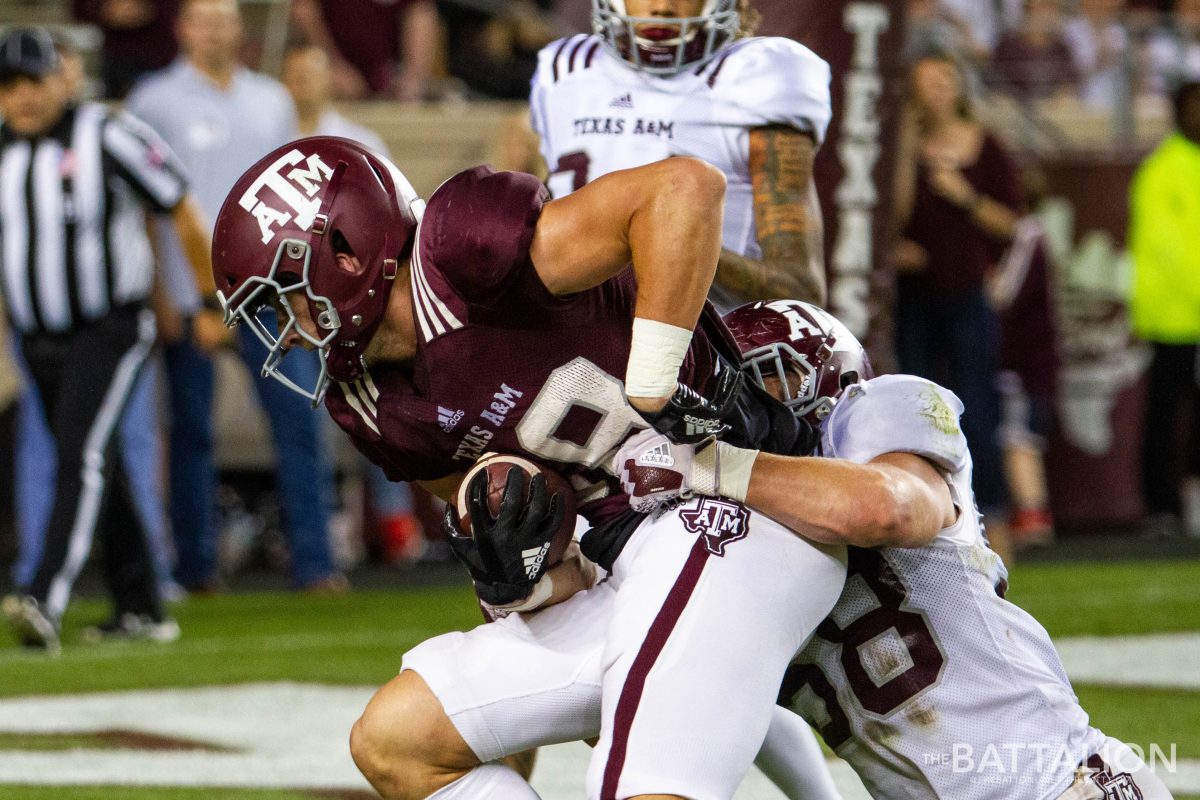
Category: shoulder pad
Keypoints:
(477, 230)
(775, 81)
(897, 414)
(565, 56)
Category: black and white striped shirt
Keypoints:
(73, 242)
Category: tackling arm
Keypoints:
(788, 219)
(895, 500)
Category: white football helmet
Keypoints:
(662, 45)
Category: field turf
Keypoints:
(357, 639)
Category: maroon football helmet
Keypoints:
(812, 354)
(665, 46)
(280, 230)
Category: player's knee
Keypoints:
(404, 743)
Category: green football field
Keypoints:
(356, 640)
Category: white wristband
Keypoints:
(656, 353)
(724, 470)
(542, 591)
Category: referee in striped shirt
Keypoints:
(76, 271)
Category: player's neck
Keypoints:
(395, 340)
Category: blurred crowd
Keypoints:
(975, 272)
(1101, 53)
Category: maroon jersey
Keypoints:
(503, 365)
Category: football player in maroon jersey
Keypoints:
(492, 319)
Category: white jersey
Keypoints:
(923, 677)
(595, 114)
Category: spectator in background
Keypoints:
(1173, 53)
(220, 118)
(495, 54)
(384, 48)
(1021, 291)
(931, 29)
(1099, 45)
(307, 75)
(139, 37)
(987, 20)
(1033, 62)
(957, 199)
(1164, 238)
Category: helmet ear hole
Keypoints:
(848, 379)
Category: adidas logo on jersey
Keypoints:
(533, 558)
(448, 419)
(658, 456)
(624, 101)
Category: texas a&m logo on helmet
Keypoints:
(325, 221)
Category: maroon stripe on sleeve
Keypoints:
(574, 52)
(558, 53)
(652, 647)
(591, 54)
(712, 77)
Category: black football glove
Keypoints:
(506, 554)
(689, 417)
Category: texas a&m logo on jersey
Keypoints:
(1119, 786)
(717, 522)
(293, 180)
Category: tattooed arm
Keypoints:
(788, 220)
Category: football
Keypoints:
(497, 466)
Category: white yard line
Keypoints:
(294, 735)
(1158, 661)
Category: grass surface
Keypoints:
(358, 639)
(352, 639)
(1125, 598)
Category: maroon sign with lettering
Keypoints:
(1094, 457)
(862, 41)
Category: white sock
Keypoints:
(491, 781)
(792, 759)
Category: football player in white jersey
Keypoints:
(662, 78)
(923, 677)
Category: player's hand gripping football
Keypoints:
(655, 471)
(690, 418)
(496, 553)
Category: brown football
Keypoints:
(497, 466)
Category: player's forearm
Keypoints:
(675, 241)
(775, 279)
(839, 502)
(787, 217)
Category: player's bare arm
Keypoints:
(788, 221)
(666, 219)
(896, 500)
